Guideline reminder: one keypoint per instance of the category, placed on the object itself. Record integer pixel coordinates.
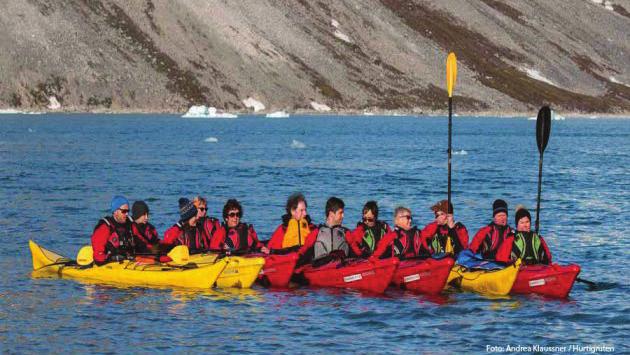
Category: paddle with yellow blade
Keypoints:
(451, 76)
(178, 254)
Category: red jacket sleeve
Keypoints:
(171, 235)
(99, 241)
(218, 239)
(429, 230)
(256, 244)
(478, 239)
(277, 238)
(462, 234)
(353, 241)
(383, 244)
(311, 238)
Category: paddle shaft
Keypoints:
(450, 132)
(540, 164)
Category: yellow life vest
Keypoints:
(449, 246)
(296, 233)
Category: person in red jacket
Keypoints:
(145, 235)
(370, 230)
(526, 245)
(330, 237)
(112, 239)
(296, 225)
(404, 241)
(234, 235)
(207, 226)
(489, 240)
(185, 232)
(444, 235)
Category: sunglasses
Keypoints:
(123, 211)
(234, 214)
(407, 217)
(202, 209)
(368, 219)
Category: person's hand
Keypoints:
(450, 221)
(265, 250)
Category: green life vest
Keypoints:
(530, 252)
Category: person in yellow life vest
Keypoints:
(296, 225)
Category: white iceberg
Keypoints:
(252, 103)
(53, 104)
(556, 116)
(460, 152)
(277, 114)
(320, 107)
(296, 144)
(202, 111)
(211, 140)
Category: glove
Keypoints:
(117, 257)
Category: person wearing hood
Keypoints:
(444, 235)
(291, 234)
(489, 241)
(112, 239)
(146, 237)
(527, 245)
(185, 232)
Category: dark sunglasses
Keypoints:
(202, 209)
(123, 211)
(234, 214)
(407, 217)
(368, 220)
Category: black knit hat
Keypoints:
(520, 213)
(499, 206)
(139, 209)
(187, 209)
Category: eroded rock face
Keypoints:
(348, 55)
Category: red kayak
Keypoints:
(358, 274)
(277, 270)
(547, 280)
(423, 275)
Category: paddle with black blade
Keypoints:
(543, 131)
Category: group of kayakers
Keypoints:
(127, 233)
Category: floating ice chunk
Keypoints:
(252, 103)
(460, 152)
(342, 36)
(211, 140)
(9, 111)
(202, 111)
(53, 104)
(334, 23)
(556, 116)
(368, 113)
(296, 144)
(320, 107)
(30, 130)
(533, 118)
(535, 74)
(277, 114)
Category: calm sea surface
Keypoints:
(59, 172)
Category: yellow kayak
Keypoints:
(485, 282)
(128, 272)
(240, 272)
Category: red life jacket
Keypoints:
(120, 240)
(407, 243)
(238, 238)
(493, 240)
(207, 226)
(193, 238)
(145, 236)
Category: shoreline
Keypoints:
(366, 113)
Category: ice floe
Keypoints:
(254, 104)
(296, 144)
(53, 104)
(277, 114)
(460, 152)
(211, 140)
(320, 107)
(202, 111)
(535, 74)
(556, 116)
(9, 111)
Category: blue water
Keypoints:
(59, 172)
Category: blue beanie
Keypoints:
(118, 201)
(187, 209)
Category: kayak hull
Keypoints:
(548, 280)
(127, 272)
(240, 272)
(485, 282)
(427, 276)
(355, 274)
(278, 270)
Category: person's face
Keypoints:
(368, 219)
(524, 225)
(403, 220)
(440, 218)
(336, 218)
(233, 218)
(142, 219)
(201, 210)
(193, 221)
(120, 215)
(300, 211)
(500, 219)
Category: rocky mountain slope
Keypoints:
(376, 55)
